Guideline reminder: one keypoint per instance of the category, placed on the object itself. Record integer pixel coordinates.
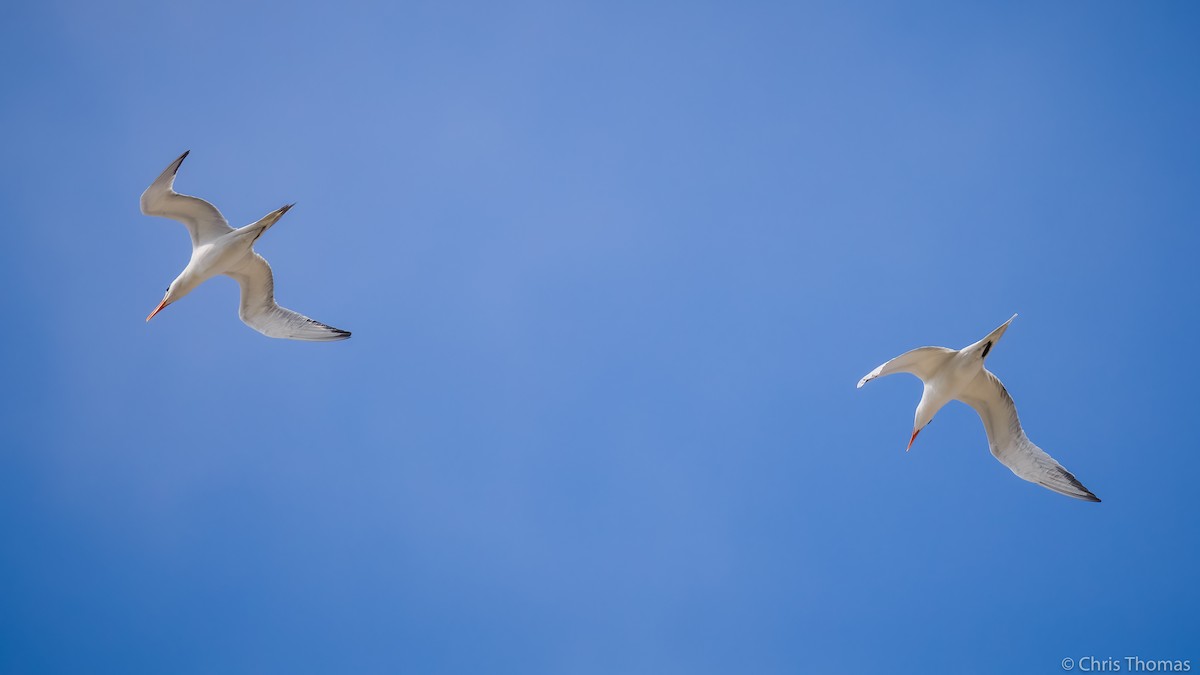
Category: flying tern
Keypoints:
(219, 249)
(960, 374)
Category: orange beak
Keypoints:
(910, 441)
(157, 309)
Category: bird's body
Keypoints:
(220, 249)
(950, 375)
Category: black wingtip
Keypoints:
(179, 162)
(1087, 495)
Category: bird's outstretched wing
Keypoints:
(204, 222)
(259, 310)
(922, 362)
(1009, 443)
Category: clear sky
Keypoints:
(613, 270)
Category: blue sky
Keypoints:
(613, 271)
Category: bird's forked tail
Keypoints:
(265, 223)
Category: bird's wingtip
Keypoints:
(1076, 491)
(870, 376)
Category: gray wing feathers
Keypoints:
(987, 395)
(260, 311)
(204, 222)
(922, 362)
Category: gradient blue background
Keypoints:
(613, 270)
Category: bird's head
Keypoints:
(922, 419)
(170, 296)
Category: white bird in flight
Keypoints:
(218, 249)
(951, 374)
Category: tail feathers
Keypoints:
(275, 215)
(268, 220)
